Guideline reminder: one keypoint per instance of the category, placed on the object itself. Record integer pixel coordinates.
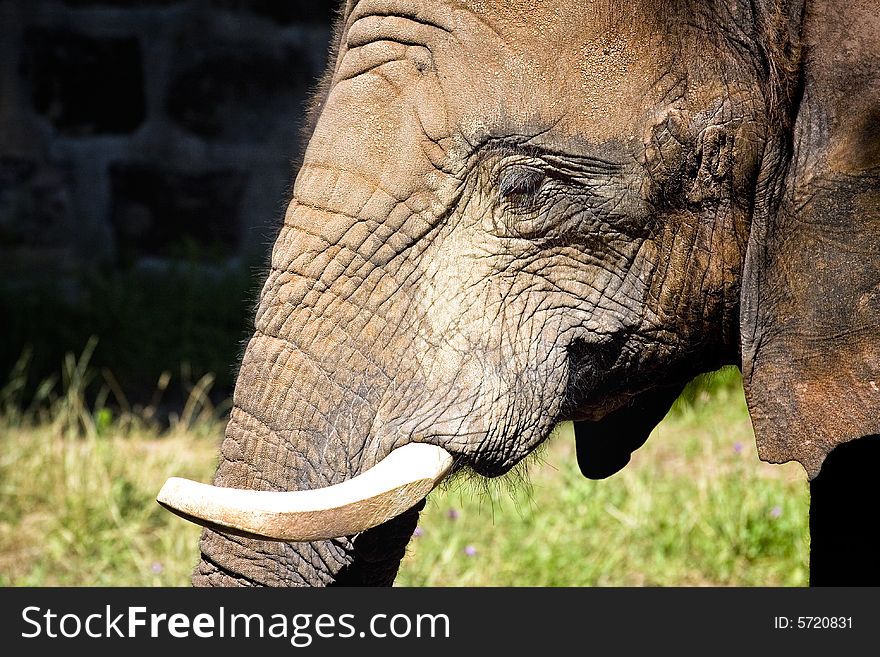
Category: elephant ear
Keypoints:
(810, 311)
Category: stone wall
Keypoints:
(137, 132)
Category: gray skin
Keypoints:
(515, 213)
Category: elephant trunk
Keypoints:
(304, 417)
(304, 447)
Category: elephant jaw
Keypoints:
(386, 490)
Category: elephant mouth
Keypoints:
(391, 487)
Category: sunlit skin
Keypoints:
(509, 214)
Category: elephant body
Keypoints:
(511, 214)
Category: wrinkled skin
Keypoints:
(511, 214)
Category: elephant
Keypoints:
(515, 213)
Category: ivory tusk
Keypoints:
(384, 491)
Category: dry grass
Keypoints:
(695, 506)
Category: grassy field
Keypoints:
(695, 507)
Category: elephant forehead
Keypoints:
(585, 68)
(600, 90)
(559, 22)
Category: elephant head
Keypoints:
(514, 213)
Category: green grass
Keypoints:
(78, 485)
(694, 507)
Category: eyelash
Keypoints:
(519, 180)
(520, 189)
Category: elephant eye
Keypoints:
(519, 182)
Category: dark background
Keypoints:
(147, 150)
